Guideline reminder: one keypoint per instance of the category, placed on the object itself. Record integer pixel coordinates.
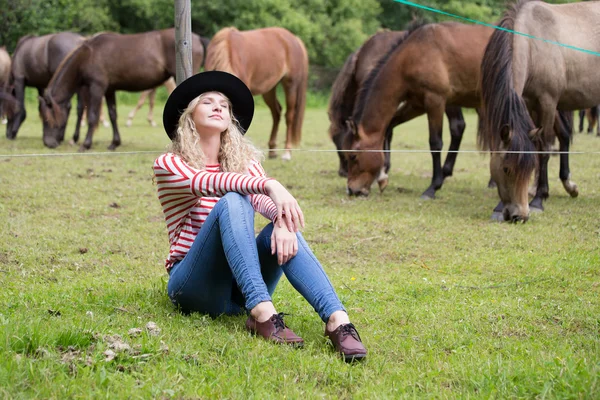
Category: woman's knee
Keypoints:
(235, 200)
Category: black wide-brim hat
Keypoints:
(242, 102)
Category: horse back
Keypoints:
(249, 49)
(372, 50)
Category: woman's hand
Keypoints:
(288, 211)
(285, 243)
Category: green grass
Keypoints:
(448, 303)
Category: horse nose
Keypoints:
(51, 143)
(357, 192)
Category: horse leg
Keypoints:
(435, 115)
(81, 93)
(151, 97)
(271, 100)
(581, 119)
(457, 124)
(14, 122)
(111, 104)
(564, 139)
(137, 107)
(547, 119)
(291, 89)
(93, 115)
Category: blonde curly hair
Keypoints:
(236, 152)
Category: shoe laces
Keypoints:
(350, 329)
(278, 320)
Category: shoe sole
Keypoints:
(354, 357)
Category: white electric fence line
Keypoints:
(405, 151)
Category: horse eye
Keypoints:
(506, 171)
(352, 157)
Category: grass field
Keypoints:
(448, 303)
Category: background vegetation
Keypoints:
(331, 29)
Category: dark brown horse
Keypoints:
(431, 68)
(108, 62)
(524, 81)
(262, 58)
(34, 61)
(345, 89)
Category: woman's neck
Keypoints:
(210, 147)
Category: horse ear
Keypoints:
(505, 134)
(535, 134)
(352, 126)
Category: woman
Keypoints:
(210, 184)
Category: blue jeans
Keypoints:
(228, 270)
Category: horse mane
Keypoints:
(218, 54)
(54, 113)
(365, 90)
(341, 102)
(502, 105)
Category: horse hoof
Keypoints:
(382, 184)
(497, 216)
(128, 123)
(535, 210)
(153, 124)
(272, 154)
(287, 156)
(426, 197)
(82, 149)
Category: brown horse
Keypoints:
(262, 58)
(108, 62)
(150, 94)
(349, 82)
(523, 82)
(34, 61)
(431, 68)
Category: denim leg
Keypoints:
(224, 253)
(304, 272)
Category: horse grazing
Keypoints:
(34, 61)
(344, 92)
(108, 62)
(435, 66)
(262, 58)
(150, 94)
(523, 82)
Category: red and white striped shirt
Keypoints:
(187, 196)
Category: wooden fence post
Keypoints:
(183, 40)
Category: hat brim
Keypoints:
(241, 98)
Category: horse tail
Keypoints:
(301, 89)
(343, 93)
(502, 105)
(218, 52)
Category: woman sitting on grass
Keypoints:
(210, 185)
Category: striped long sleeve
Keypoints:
(187, 196)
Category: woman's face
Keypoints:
(212, 113)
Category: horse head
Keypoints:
(364, 158)
(511, 166)
(54, 116)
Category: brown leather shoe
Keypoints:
(274, 329)
(346, 341)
